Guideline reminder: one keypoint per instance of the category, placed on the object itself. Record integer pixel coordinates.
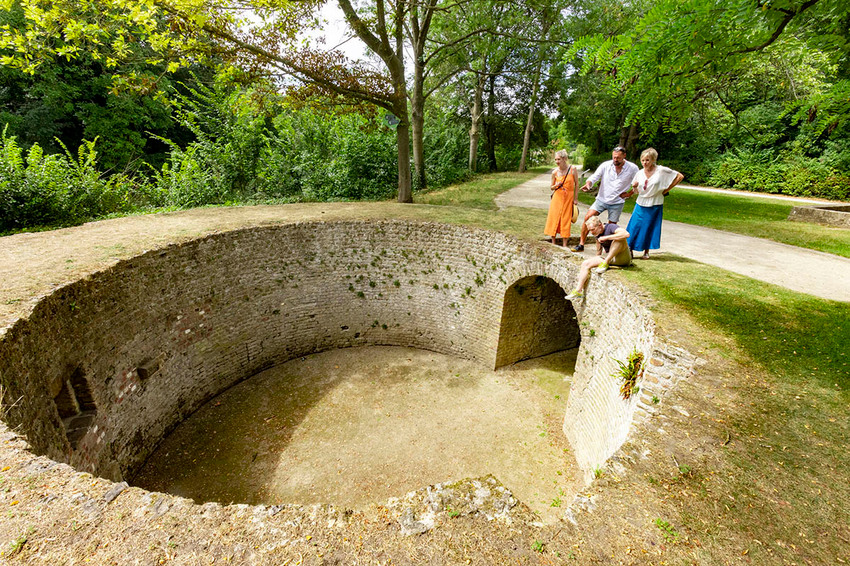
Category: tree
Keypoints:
(678, 52)
(547, 16)
(185, 32)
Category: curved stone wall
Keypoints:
(107, 366)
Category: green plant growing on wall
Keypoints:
(630, 372)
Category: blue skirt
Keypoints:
(645, 228)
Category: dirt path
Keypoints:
(806, 271)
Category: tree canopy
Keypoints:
(674, 53)
(746, 93)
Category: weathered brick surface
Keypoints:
(158, 335)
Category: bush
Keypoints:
(795, 175)
(695, 172)
(222, 164)
(51, 190)
(811, 178)
(592, 160)
(446, 151)
(749, 170)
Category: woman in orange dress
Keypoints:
(564, 189)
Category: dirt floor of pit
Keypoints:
(360, 425)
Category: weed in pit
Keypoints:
(670, 534)
(537, 546)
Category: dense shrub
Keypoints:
(794, 175)
(592, 160)
(446, 150)
(695, 172)
(749, 170)
(49, 190)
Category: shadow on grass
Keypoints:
(797, 337)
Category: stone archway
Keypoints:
(536, 321)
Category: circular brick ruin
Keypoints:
(102, 369)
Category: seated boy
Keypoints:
(611, 248)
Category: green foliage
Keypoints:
(629, 373)
(329, 156)
(538, 546)
(593, 160)
(46, 190)
(681, 51)
(734, 93)
(75, 99)
(795, 175)
(446, 150)
(667, 530)
(252, 147)
(779, 330)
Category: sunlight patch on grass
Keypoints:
(480, 192)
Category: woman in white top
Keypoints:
(652, 184)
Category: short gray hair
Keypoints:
(561, 153)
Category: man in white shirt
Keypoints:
(615, 178)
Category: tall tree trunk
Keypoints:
(381, 43)
(476, 111)
(405, 192)
(547, 19)
(526, 138)
(489, 124)
(417, 108)
(628, 139)
(597, 142)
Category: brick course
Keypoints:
(158, 335)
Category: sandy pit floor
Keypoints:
(360, 425)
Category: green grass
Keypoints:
(750, 216)
(480, 192)
(785, 474)
(800, 337)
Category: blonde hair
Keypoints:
(561, 153)
(593, 222)
(651, 153)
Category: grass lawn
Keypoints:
(784, 473)
(480, 192)
(763, 472)
(750, 216)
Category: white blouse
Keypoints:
(650, 190)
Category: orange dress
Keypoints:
(561, 206)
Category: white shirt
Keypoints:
(650, 190)
(612, 184)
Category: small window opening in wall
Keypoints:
(76, 407)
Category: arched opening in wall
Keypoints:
(536, 321)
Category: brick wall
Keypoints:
(156, 336)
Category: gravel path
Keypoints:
(807, 271)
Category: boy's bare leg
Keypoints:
(584, 271)
(616, 247)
